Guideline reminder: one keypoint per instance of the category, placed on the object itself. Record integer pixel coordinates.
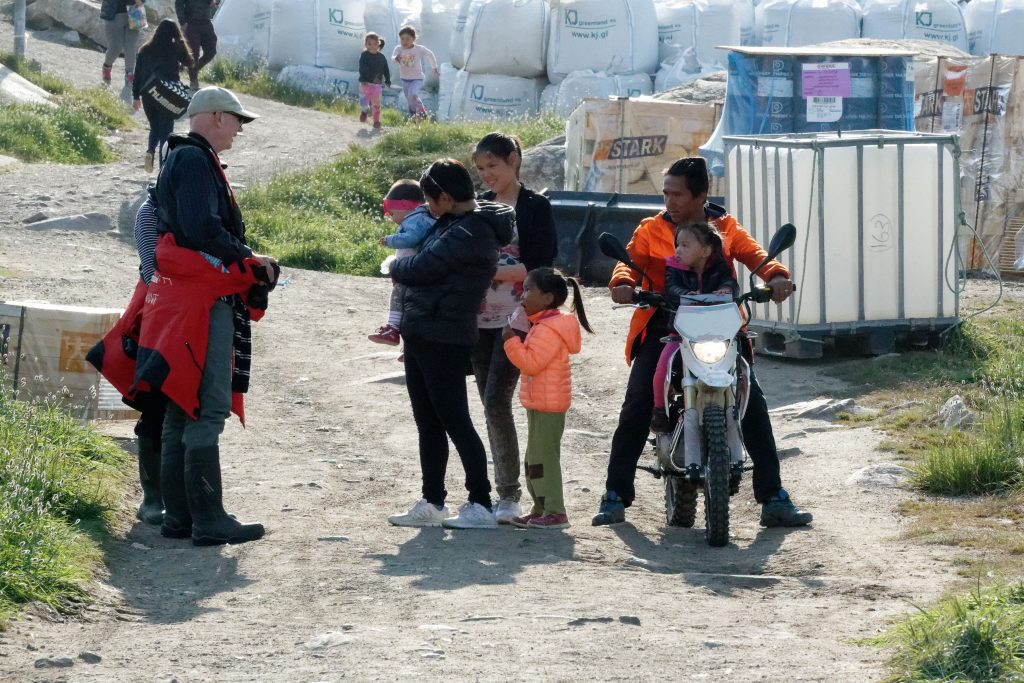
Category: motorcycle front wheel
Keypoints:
(716, 477)
(680, 502)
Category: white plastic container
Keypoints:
(876, 218)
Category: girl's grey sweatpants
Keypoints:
(121, 39)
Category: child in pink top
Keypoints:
(410, 58)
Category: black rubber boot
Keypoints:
(177, 520)
(151, 511)
(210, 524)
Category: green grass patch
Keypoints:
(59, 483)
(70, 133)
(253, 78)
(978, 637)
(329, 218)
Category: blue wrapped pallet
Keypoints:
(774, 91)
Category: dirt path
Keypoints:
(333, 592)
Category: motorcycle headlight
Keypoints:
(710, 352)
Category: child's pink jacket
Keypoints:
(543, 358)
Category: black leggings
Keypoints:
(435, 376)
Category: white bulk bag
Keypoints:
(995, 27)
(436, 23)
(340, 27)
(233, 25)
(614, 36)
(311, 79)
(699, 24)
(483, 97)
(581, 85)
(292, 33)
(746, 10)
(262, 19)
(938, 20)
(457, 46)
(793, 23)
(385, 17)
(683, 70)
(341, 82)
(506, 37)
(446, 94)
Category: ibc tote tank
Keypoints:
(876, 215)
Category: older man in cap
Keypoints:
(195, 342)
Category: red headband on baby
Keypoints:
(392, 205)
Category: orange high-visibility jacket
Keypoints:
(543, 358)
(654, 240)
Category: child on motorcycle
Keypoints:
(545, 389)
(698, 267)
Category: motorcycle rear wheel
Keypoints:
(716, 477)
(680, 502)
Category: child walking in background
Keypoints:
(404, 205)
(374, 74)
(410, 58)
(546, 388)
(698, 267)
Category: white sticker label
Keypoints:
(824, 109)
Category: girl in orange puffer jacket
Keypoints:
(545, 389)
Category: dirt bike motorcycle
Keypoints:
(706, 392)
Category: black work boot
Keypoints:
(151, 511)
(177, 520)
(210, 524)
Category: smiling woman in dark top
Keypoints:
(497, 159)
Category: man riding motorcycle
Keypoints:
(685, 190)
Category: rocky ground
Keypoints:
(335, 593)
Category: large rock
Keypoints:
(709, 88)
(955, 414)
(544, 165)
(159, 9)
(16, 90)
(83, 222)
(80, 15)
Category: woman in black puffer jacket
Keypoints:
(446, 283)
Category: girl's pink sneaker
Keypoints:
(553, 520)
(524, 521)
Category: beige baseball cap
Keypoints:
(212, 99)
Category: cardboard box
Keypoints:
(624, 145)
(42, 354)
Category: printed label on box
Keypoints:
(824, 109)
(831, 79)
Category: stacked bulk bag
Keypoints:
(938, 20)
(614, 36)
(562, 99)
(234, 26)
(702, 25)
(262, 18)
(748, 22)
(793, 23)
(457, 45)
(386, 17)
(995, 27)
(436, 25)
(340, 27)
(482, 97)
(304, 77)
(683, 70)
(446, 95)
(506, 37)
(292, 23)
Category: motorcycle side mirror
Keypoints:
(783, 239)
(613, 248)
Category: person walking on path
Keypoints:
(120, 38)
(196, 19)
(445, 283)
(163, 57)
(195, 344)
(546, 389)
(374, 74)
(497, 158)
(409, 57)
(685, 190)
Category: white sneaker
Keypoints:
(422, 513)
(507, 511)
(471, 516)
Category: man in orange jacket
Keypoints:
(685, 190)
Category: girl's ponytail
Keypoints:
(577, 304)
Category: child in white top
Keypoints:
(409, 57)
